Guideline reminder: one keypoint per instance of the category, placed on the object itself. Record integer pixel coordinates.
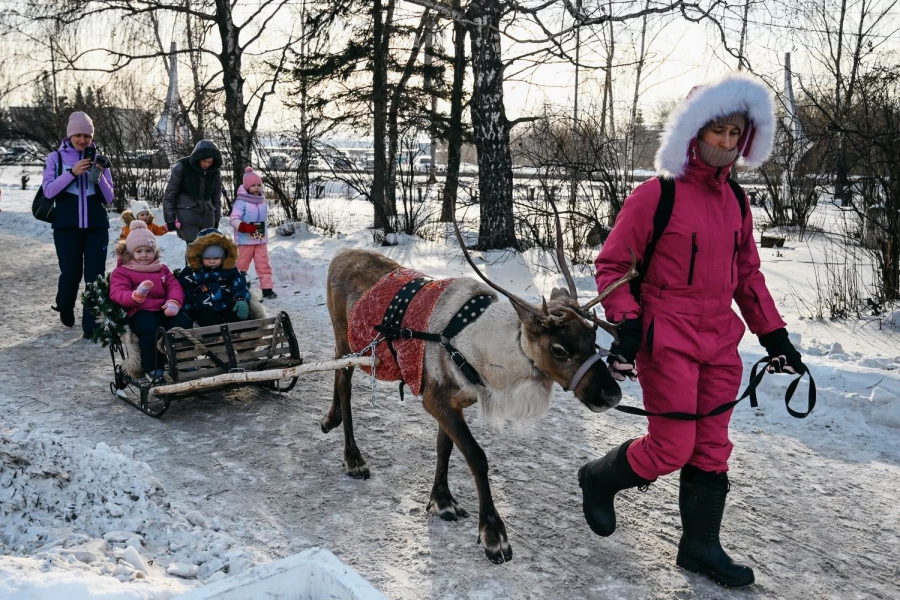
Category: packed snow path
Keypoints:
(813, 505)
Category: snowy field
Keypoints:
(100, 501)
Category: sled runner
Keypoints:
(262, 352)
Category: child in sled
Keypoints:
(140, 210)
(215, 291)
(248, 218)
(149, 292)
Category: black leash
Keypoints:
(756, 377)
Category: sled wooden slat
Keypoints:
(259, 376)
(182, 343)
(246, 357)
(233, 327)
(194, 357)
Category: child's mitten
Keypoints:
(140, 294)
(242, 309)
(170, 309)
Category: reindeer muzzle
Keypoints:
(585, 366)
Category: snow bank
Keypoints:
(78, 522)
(309, 575)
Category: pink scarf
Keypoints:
(153, 267)
(246, 196)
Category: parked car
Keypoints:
(341, 163)
(423, 164)
(152, 159)
(278, 161)
(19, 154)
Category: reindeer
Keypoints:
(518, 349)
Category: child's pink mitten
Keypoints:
(140, 294)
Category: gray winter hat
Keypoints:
(214, 251)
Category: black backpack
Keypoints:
(661, 220)
(42, 207)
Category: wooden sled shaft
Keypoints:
(257, 376)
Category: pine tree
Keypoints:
(111, 317)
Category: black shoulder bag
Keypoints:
(42, 207)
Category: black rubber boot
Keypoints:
(702, 503)
(269, 294)
(66, 316)
(600, 481)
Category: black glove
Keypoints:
(782, 353)
(625, 350)
(171, 227)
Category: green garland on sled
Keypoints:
(111, 318)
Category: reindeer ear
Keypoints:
(559, 293)
(532, 322)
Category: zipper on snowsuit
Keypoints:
(734, 256)
(694, 250)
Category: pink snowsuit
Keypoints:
(688, 360)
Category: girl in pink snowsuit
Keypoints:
(248, 218)
(680, 336)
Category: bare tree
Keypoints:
(235, 41)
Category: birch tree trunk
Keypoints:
(384, 210)
(491, 129)
(233, 80)
(455, 135)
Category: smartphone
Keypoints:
(91, 153)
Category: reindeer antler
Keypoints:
(610, 328)
(512, 297)
(631, 274)
(560, 253)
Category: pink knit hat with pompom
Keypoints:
(139, 236)
(251, 178)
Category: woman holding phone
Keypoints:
(81, 225)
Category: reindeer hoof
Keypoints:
(329, 422)
(492, 537)
(356, 467)
(445, 506)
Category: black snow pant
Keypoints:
(79, 252)
(144, 324)
(207, 317)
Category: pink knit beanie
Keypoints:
(79, 122)
(139, 236)
(251, 178)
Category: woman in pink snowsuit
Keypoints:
(682, 331)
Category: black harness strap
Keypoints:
(396, 310)
(392, 327)
(756, 377)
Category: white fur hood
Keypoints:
(731, 93)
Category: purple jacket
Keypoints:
(249, 209)
(74, 206)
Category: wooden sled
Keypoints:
(262, 352)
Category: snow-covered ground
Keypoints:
(97, 500)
